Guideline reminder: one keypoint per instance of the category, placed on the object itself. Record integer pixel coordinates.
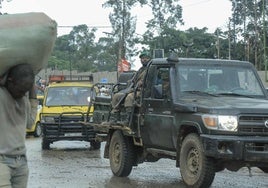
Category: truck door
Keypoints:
(158, 118)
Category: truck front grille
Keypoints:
(63, 119)
(257, 147)
(252, 125)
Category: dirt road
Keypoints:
(74, 165)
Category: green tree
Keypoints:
(82, 42)
(106, 54)
(249, 18)
(124, 25)
(193, 42)
(80, 51)
(243, 39)
(166, 14)
(76, 50)
(60, 58)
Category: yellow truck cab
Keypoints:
(64, 109)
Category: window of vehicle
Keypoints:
(224, 79)
(71, 96)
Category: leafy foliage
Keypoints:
(249, 22)
(245, 37)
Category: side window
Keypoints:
(161, 88)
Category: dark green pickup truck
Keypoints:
(207, 114)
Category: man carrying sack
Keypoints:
(26, 42)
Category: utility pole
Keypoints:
(123, 35)
(234, 33)
(229, 39)
(264, 37)
(245, 29)
(218, 44)
(256, 35)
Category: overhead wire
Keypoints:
(89, 26)
(197, 3)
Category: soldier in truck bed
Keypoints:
(128, 96)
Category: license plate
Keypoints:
(73, 134)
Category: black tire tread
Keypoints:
(38, 126)
(207, 174)
(128, 155)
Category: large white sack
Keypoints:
(26, 38)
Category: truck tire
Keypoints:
(121, 154)
(45, 144)
(196, 169)
(38, 130)
(95, 145)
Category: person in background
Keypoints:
(128, 97)
(18, 110)
(41, 85)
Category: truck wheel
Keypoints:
(95, 145)
(45, 144)
(121, 154)
(264, 169)
(196, 169)
(38, 130)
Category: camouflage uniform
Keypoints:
(128, 97)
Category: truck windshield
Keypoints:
(67, 96)
(219, 80)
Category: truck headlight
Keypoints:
(220, 122)
(48, 119)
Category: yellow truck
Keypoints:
(64, 109)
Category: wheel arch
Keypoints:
(185, 129)
(109, 137)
